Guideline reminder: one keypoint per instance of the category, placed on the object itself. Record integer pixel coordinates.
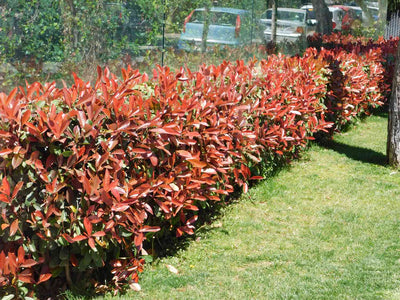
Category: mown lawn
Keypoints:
(328, 227)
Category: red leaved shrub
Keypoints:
(88, 172)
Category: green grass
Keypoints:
(325, 228)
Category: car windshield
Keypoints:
(285, 15)
(216, 18)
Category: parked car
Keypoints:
(292, 25)
(336, 11)
(357, 12)
(310, 13)
(227, 27)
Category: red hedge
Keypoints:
(87, 171)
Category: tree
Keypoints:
(273, 20)
(30, 31)
(323, 16)
(393, 144)
(90, 29)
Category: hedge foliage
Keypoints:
(89, 172)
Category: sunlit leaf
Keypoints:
(172, 269)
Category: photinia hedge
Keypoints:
(89, 172)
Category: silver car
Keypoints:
(227, 27)
(292, 25)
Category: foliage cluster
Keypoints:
(361, 46)
(89, 172)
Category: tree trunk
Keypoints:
(323, 16)
(393, 145)
(205, 27)
(273, 20)
(383, 4)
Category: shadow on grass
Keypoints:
(167, 244)
(357, 153)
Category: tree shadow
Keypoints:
(357, 153)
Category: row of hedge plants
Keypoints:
(90, 171)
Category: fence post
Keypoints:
(163, 34)
(252, 23)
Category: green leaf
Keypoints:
(64, 254)
(148, 258)
(67, 153)
(32, 247)
(84, 263)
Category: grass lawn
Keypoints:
(328, 227)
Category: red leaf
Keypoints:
(139, 239)
(3, 261)
(12, 263)
(110, 224)
(193, 207)
(44, 277)
(165, 131)
(4, 198)
(21, 254)
(154, 161)
(140, 150)
(179, 232)
(120, 207)
(88, 226)
(4, 152)
(106, 181)
(17, 189)
(67, 97)
(11, 95)
(16, 161)
(245, 188)
(5, 187)
(86, 185)
(25, 117)
(214, 198)
(124, 124)
(117, 191)
(79, 238)
(184, 153)
(192, 219)
(197, 163)
(26, 276)
(149, 229)
(14, 227)
(99, 234)
(187, 229)
(68, 238)
(91, 243)
(73, 260)
(51, 187)
(39, 165)
(256, 178)
(29, 263)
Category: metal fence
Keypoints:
(393, 26)
(48, 39)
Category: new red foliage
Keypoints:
(87, 171)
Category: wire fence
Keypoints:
(393, 26)
(48, 39)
